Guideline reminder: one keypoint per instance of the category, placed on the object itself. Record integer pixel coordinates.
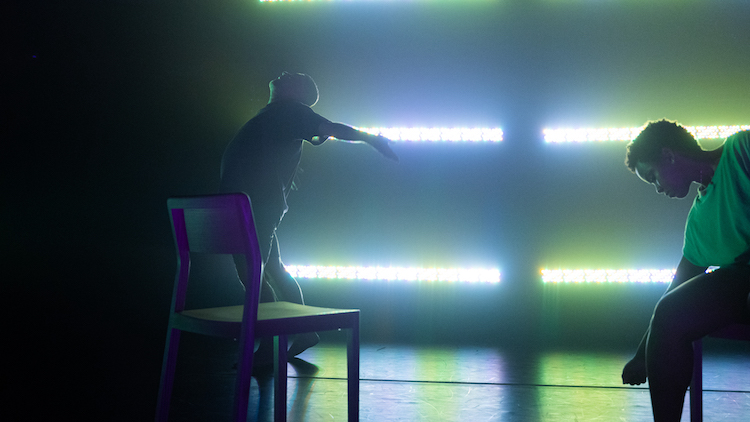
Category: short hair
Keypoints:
(647, 146)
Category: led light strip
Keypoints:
(607, 276)
(300, 1)
(426, 134)
(472, 275)
(630, 133)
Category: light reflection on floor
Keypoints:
(405, 383)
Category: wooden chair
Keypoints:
(223, 224)
(735, 332)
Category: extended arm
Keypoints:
(344, 132)
(635, 370)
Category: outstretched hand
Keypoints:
(634, 372)
(381, 144)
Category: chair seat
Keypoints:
(274, 318)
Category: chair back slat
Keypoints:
(216, 224)
(216, 231)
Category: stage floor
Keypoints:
(452, 383)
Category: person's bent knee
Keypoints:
(667, 318)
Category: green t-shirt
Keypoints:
(717, 231)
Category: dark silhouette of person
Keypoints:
(717, 234)
(262, 161)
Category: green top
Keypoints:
(717, 231)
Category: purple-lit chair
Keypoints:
(734, 332)
(223, 224)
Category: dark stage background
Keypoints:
(110, 107)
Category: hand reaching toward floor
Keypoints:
(634, 372)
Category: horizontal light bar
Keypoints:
(630, 133)
(607, 276)
(305, 1)
(472, 275)
(435, 134)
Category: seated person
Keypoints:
(717, 233)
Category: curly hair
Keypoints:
(648, 145)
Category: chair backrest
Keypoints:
(215, 224)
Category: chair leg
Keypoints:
(696, 385)
(352, 366)
(280, 378)
(244, 378)
(167, 374)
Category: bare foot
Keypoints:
(303, 342)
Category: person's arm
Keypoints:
(635, 370)
(347, 133)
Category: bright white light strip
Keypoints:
(469, 275)
(301, 1)
(607, 276)
(630, 133)
(435, 134)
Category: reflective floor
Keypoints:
(407, 383)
